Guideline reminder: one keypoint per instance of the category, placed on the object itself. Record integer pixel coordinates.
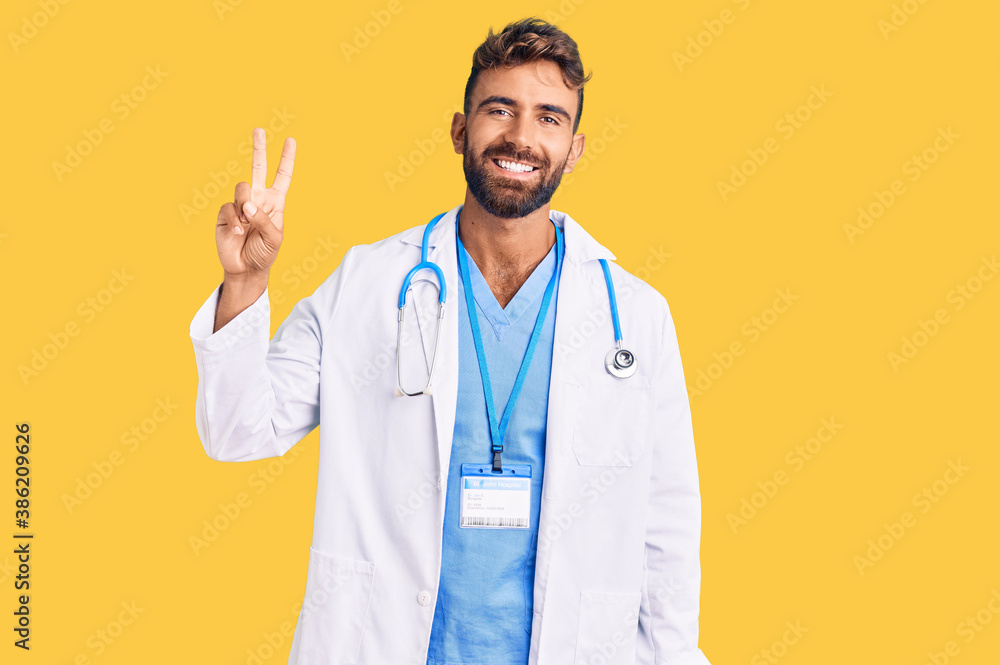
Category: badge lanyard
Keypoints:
(498, 431)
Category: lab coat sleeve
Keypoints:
(257, 398)
(671, 594)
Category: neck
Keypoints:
(506, 250)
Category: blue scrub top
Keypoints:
(485, 596)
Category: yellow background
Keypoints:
(652, 189)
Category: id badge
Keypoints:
(496, 500)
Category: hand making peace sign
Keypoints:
(249, 232)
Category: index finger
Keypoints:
(258, 169)
(283, 178)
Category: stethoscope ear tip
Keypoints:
(397, 392)
(428, 390)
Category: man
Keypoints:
(591, 551)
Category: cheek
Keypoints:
(485, 134)
(559, 156)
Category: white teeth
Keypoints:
(515, 166)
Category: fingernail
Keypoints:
(238, 230)
(250, 208)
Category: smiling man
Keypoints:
(517, 137)
(523, 487)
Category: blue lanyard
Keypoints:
(498, 431)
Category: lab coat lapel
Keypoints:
(580, 284)
(582, 296)
(445, 387)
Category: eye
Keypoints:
(499, 111)
(554, 121)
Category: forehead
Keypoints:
(532, 83)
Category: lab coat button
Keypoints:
(424, 598)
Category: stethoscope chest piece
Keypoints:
(620, 363)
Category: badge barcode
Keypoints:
(517, 522)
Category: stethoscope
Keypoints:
(620, 362)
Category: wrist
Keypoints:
(245, 283)
(238, 292)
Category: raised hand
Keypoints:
(249, 231)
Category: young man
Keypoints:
(452, 527)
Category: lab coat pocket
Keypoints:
(612, 420)
(334, 609)
(609, 622)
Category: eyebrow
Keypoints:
(507, 101)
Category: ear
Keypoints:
(575, 152)
(458, 132)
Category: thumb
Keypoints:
(261, 221)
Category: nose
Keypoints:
(520, 132)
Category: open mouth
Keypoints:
(514, 167)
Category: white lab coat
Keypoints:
(617, 574)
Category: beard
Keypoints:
(508, 198)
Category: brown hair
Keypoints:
(525, 41)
